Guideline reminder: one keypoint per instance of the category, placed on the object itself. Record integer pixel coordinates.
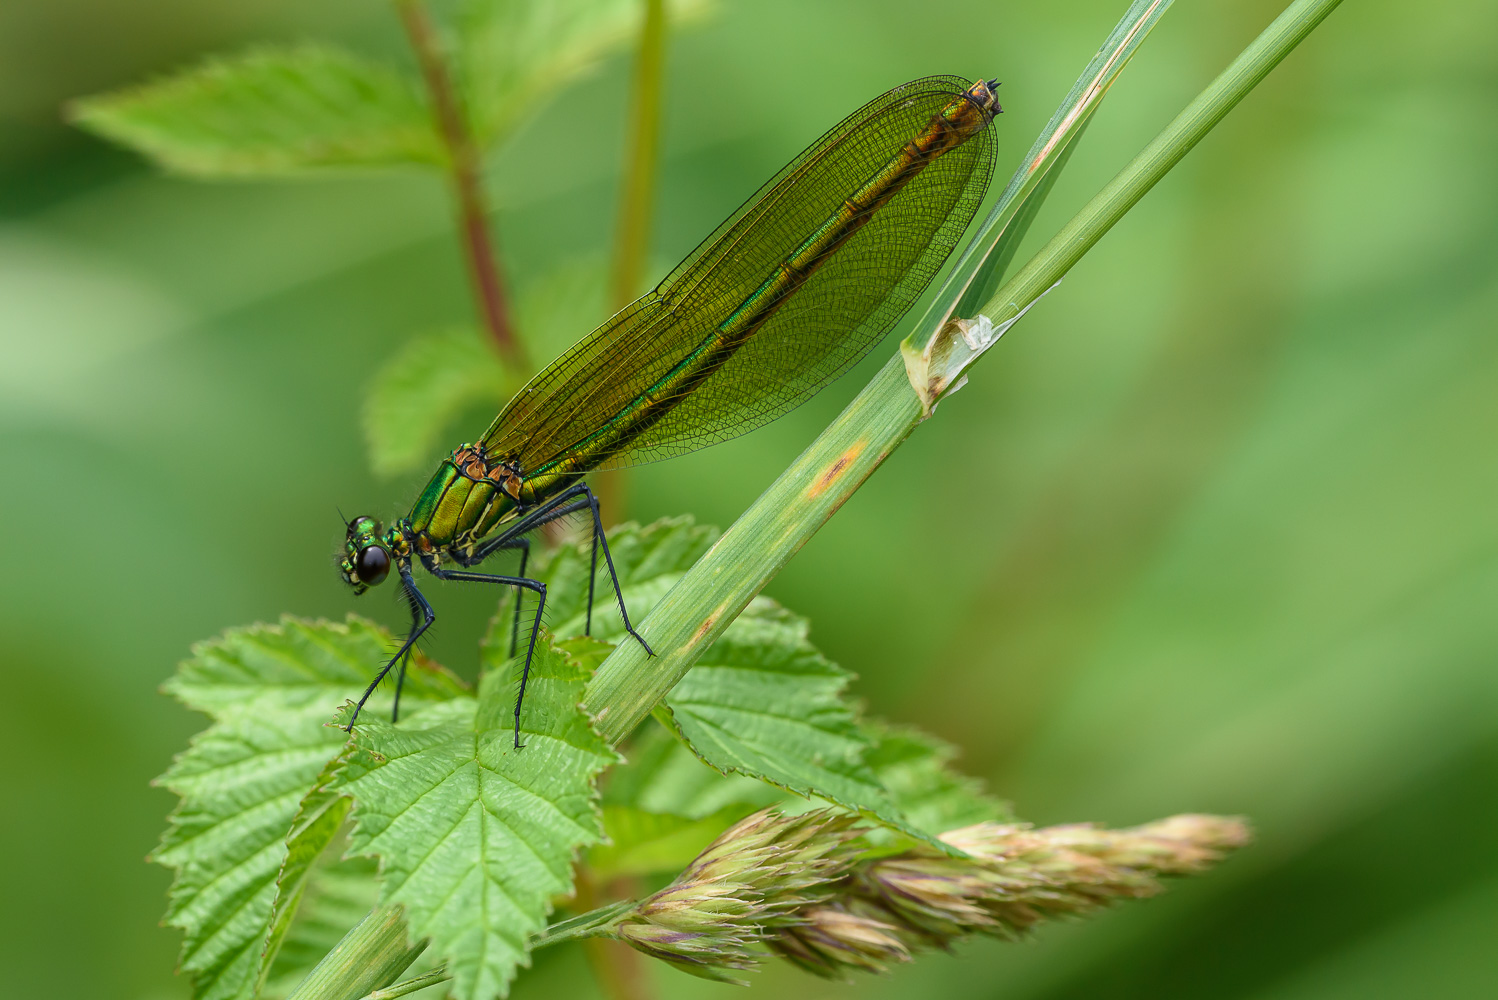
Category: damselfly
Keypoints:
(785, 296)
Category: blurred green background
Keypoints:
(1214, 529)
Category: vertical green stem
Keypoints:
(465, 164)
(636, 202)
(370, 956)
(637, 194)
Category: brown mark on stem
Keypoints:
(464, 163)
(835, 471)
(705, 628)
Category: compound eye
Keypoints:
(373, 565)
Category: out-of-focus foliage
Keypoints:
(271, 111)
(419, 391)
(276, 111)
(1211, 530)
(917, 772)
(513, 55)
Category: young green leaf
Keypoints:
(417, 393)
(270, 111)
(762, 701)
(475, 838)
(915, 768)
(513, 56)
(270, 690)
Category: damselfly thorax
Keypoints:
(467, 498)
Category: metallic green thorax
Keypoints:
(472, 493)
(464, 501)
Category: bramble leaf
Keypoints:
(915, 768)
(513, 56)
(417, 393)
(762, 701)
(270, 690)
(270, 111)
(475, 838)
(301, 668)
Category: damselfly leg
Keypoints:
(422, 617)
(518, 582)
(575, 498)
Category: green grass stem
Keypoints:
(371, 956)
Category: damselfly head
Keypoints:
(982, 94)
(366, 559)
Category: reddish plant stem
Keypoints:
(464, 163)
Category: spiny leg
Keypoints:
(593, 575)
(535, 517)
(599, 538)
(579, 497)
(519, 582)
(400, 673)
(569, 501)
(506, 541)
(413, 596)
(524, 544)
